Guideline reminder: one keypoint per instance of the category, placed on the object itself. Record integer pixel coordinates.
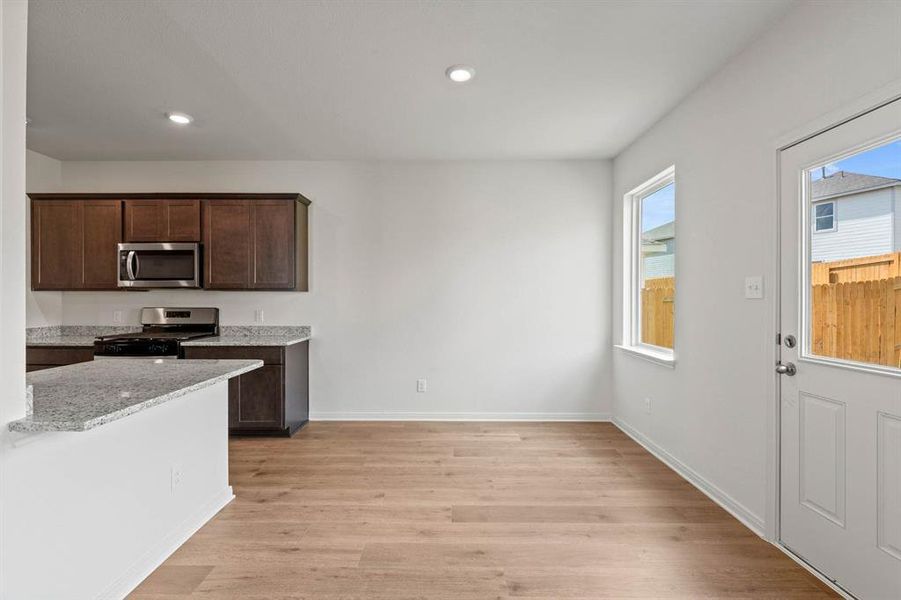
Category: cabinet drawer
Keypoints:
(57, 356)
(270, 355)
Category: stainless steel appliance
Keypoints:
(163, 330)
(159, 265)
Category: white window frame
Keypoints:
(631, 336)
(814, 229)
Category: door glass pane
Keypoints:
(657, 267)
(855, 257)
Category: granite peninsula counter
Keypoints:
(86, 395)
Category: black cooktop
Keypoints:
(162, 333)
(136, 336)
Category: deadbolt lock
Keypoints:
(790, 341)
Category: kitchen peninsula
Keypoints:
(133, 459)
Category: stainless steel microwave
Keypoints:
(159, 265)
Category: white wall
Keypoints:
(13, 31)
(863, 227)
(491, 279)
(710, 412)
(42, 174)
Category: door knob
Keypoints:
(786, 369)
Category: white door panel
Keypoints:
(840, 505)
(822, 457)
(889, 500)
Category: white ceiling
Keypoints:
(268, 79)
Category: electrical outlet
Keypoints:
(258, 316)
(754, 287)
(176, 477)
(647, 405)
(118, 316)
(422, 385)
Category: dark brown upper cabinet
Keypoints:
(57, 245)
(73, 244)
(162, 220)
(274, 254)
(249, 241)
(102, 234)
(255, 244)
(226, 244)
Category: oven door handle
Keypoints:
(129, 261)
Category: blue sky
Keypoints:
(658, 208)
(884, 161)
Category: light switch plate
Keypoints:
(754, 287)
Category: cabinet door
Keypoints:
(227, 244)
(145, 221)
(259, 402)
(273, 235)
(57, 244)
(102, 233)
(182, 220)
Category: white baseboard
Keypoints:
(154, 557)
(455, 416)
(730, 504)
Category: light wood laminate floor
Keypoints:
(395, 511)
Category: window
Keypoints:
(824, 214)
(852, 289)
(649, 268)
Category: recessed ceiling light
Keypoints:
(180, 118)
(460, 73)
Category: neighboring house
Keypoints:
(657, 247)
(854, 215)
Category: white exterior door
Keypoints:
(840, 506)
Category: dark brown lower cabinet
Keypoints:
(38, 358)
(256, 399)
(271, 400)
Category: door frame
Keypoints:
(836, 118)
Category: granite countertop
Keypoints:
(231, 335)
(72, 335)
(86, 395)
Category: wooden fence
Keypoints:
(852, 319)
(858, 321)
(657, 311)
(867, 268)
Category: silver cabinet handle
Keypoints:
(786, 369)
(128, 265)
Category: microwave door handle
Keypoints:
(128, 265)
(137, 268)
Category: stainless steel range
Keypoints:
(163, 330)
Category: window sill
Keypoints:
(658, 357)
